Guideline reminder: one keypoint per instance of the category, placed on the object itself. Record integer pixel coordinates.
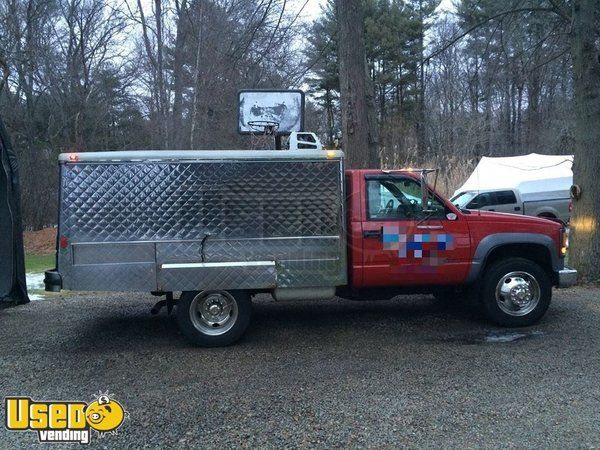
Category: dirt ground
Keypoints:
(407, 373)
(40, 242)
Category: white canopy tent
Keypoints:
(535, 176)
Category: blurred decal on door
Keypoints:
(429, 248)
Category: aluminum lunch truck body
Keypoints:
(201, 220)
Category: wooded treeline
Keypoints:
(133, 74)
(505, 77)
(477, 82)
(90, 75)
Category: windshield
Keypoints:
(461, 200)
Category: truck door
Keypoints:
(507, 202)
(402, 245)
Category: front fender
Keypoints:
(494, 241)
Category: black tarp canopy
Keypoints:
(13, 288)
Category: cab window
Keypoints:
(493, 198)
(505, 198)
(399, 198)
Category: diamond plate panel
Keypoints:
(238, 277)
(248, 249)
(310, 273)
(115, 253)
(310, 263)
(244, 211)
(156, 201)
(113, 277)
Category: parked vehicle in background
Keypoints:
(532, 185)
(511, 201)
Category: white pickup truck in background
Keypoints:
(532, 185)
(511, 201)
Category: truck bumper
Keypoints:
(52, 280)
(567, 277)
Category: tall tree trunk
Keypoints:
(177, 136)
(330, 118)
(359, 123)
(585, 249)
(520, 117)
(533, 112)
(196, 83)
(160, 76)
(421, 137)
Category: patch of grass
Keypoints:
(39, 263)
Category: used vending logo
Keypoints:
(65, 421)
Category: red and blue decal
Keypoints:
(429, 247)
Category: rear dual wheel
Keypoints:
(214, 318)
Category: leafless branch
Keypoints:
(480, 24)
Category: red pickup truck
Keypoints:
(511, 262)
(221, 227)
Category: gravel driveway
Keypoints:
(410, 372)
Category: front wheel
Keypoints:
(214, 318)
(516, 292)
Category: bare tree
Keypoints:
(181, 38)
(89, 33)
(153, 37)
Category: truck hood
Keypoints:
(498, 217)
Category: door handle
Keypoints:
(517, 208)
(491, 209)
(372, 234)
(430, 227)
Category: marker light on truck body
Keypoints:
(564, 242)
(63, 242)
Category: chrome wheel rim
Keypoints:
(213, 312)
(518, 293)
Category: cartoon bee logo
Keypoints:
(105, 414)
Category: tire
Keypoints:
(516, 292)
(214, 318)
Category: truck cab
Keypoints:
(395, 240)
